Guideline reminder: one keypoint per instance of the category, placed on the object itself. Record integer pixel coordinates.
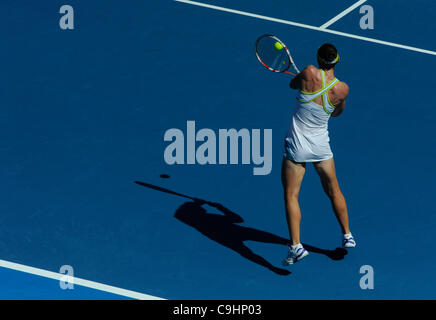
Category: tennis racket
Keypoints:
(274, 55)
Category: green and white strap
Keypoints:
(306, 97)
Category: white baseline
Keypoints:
(306, 26)
(77, 281)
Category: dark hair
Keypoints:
(327, 54)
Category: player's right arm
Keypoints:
(344, 90)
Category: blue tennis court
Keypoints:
(85, 113)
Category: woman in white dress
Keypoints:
(320, 96)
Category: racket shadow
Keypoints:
(224, 229)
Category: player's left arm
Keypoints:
(297, 81)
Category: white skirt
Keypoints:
(308, 139)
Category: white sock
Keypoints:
(347, 235)
(297, 246)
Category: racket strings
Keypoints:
(270, 56)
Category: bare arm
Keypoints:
(339, 109)
(341, 106)
(296, 81)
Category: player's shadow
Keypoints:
(224, 229)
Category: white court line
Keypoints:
(77, 281)
(306, 26)
(342, 14)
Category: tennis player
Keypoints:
(320, 96)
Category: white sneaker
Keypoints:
(348, 241)
(295, 254)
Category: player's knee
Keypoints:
(291, 195)
(332, 191)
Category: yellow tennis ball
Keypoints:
(278, 46)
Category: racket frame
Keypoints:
(288, 53)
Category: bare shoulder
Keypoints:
(307, 74)
(310, 70)
(343, 89)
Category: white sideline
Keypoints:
(306, 26)
(342, 14)
(77, 281)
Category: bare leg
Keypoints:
(327, 172)
(292, 176)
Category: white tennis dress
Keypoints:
(308, 139)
